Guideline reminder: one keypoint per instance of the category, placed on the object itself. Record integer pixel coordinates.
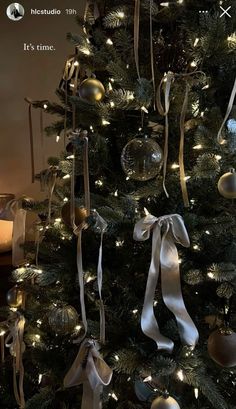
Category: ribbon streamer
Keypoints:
(14, 341)
(136, 34)
(151, 52)
(166, 231)
(167, 80)
(229, 109)
(96, 12)
(181, 148)
(31, 139)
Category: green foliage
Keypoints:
(207, 166)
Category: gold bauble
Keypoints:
(222, 347)
(63, 319)
(227, 185)
(80, 214)
(15, 297)
(165, 403)
(92, 90)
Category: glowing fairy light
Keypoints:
(196, 393)
(109, 41)
(58, 138)
(193, 64)
(65, 200)
(174, 166)
(105, 122)
(117, 358)
(121, 14)
(210, 275)
(112, 104)
(78, 327)
(218, 157)
(144, 109)
(45, 106)
(196, 42)
(180, 375)
(135, 311)
(66, 176)
(76, 63)
(148, 379)
(197, 147)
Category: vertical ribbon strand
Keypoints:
(42, 135)
(31, 143)
(151, 51)
(136, 35)
(181, 148)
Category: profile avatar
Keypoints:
(15, 11)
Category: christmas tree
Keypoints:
(148, 161)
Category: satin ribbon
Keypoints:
(52, 178)
(136, 34)
(166, 231)
(42, 135)
(90, 370)
(14, 341)
(96, 13)
(229, 109)
(181, 148)
(15, 212)
(151, 52)
(164, 111)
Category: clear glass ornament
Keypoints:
(142, 159)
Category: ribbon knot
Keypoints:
(90, 370)
(166, 232)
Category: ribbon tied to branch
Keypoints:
(166, 232)
(90, 370)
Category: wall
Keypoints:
(33, 74)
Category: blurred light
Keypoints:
(70, 157)
(119, 243)
(180, 375)
(109, 41)
(148, 379)
(117, 358)
(78, 327)
(40, 378)
(155, 303)
(180, 261)
(58, 220)
(45, 106)
(65, 199)
(66, 176)
(85, 51)
(174, 166)
(76, 63)
(121, 14)
(207, 232)
(210, 275)
(199, 146)
(37, 336)
(144, 109)
(112, 104)
(196, 247)
(135, 311)
(196, 42)
(206, 86)
(187, 178)
(2, 333)
(165, 4)
(116, 193)
(193, 64)
(218, 157)
(99, 183)
(58, 138)
(105, 122)
(196, 393)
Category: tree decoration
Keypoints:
(222, 347)
(141, 159)
(227, 185)
(92, 90)
(220, 139)
(80, 214)
(63, 319)
(166, 230)
(165, 403)
(15, 297)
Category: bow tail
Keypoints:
(91, 398)
(148, 320)
(172, 293)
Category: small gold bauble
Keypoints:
(165, 403)
(80, 214)
(92, 90)
(227, 185)
(15, 297)
(222, 347)
(63, 319)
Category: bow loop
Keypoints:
(143, 227)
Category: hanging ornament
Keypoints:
(15, 297)
(92, 90)
(80, 214)
(227, 185)
(165, 403)
(222, 347)
(63, 319)
(141, 159)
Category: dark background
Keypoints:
(33, 74)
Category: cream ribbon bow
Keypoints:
(166, 231)
(90, 370)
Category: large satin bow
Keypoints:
(90, 370)
(166, 231)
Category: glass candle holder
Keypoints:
(6, 223)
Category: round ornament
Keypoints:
(141, 159)
(227, 185)
(80, 214)
(222, 347)
(63, 319)
(15, 297)
(92, 90)
(165, 403)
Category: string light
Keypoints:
(113, 395)
(117, 358)
(39, 322)
(148, 379)
(179, 261)
(144, 109)
(65, 200)
(196, 42)
(210, 275)
(110, 87)
(155, 303)
(105, 122)
(70, 157)
(116, 193)
(58, 138)
(40, 378)
(174, 166)
(112, 79)
(58, 220)
(127, 178)
(196, 247)
(130, 96)
(119, 243)
(180, 375)
(2, 333)
(202, 114)
(112, 104)
(76, 63)
(165, 4)
(218, 157)
(199, 146)
(121, 14)
(196, 393)
(99, 183)
(180, 1)
(206, 86)
(66, 176)
(135, 311)
(37, 336)
(45, 106)
(78, 327)
(193, 64)
(187, 178)
(207, 232)
(109, 41)
(85, 51)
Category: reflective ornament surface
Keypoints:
(92, 90)
(227, 185)
(80, 214)
(165, 403)
(222, 347)
(63, 319)
(15, 297)
(141, 159)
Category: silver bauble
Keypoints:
(63, 319)
(227, 185)
(165, 403)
